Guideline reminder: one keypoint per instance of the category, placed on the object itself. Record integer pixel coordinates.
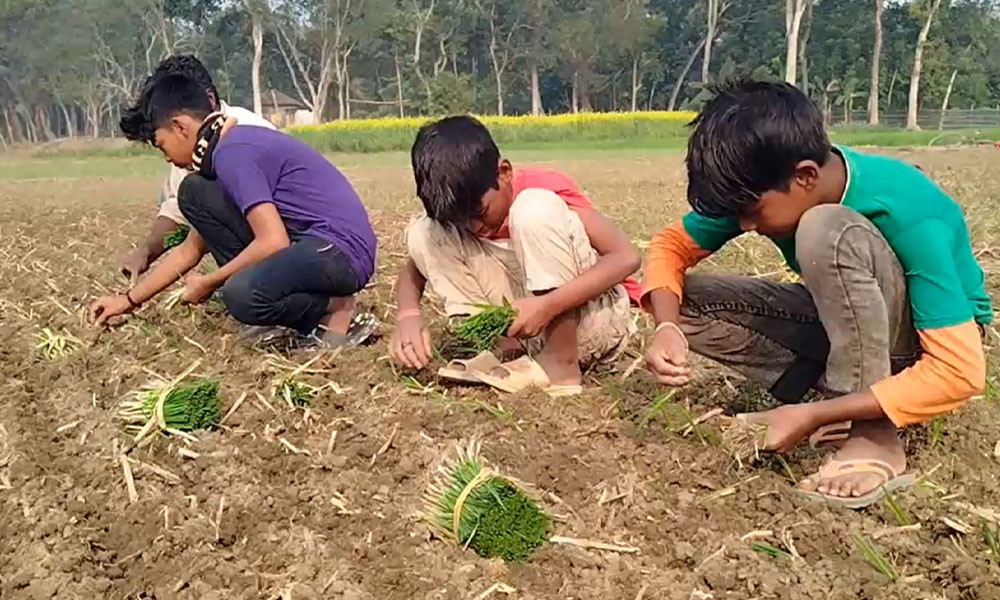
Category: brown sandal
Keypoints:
(891, 481)
(466, 370)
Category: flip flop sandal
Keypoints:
(466, 370)
(830, 434)
(524, 373)
(891, 481)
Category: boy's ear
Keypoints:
(505, 170)
(806, 174)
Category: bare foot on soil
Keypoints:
(560, 370)
(876, 440)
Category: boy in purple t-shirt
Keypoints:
(292, 239)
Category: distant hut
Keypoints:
(285, 111)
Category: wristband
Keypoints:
(132, 304)
(406, 314)
(675, 327)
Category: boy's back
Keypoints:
(255, 165)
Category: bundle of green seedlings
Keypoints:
(176, 237)
(186, 407)
(482, 331)
(478, 508)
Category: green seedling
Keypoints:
(991, 537)
(482, 331)
(874, 557)
(477, 508)
(659, 403)
(294, 392)
(176, 237)
(770, 550)
(897, 511)
(937, 432)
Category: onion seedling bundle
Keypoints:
(478, 508)
(482, 331)
(176, 237)
(186, 407)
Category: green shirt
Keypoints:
(923, 225)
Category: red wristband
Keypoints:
(406, 314)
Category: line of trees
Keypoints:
(67, 66)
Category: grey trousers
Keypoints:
(845, 327)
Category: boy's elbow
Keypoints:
(631, 260)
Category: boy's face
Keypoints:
(778, 212)
(177, 140)
(495, 203)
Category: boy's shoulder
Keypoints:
(552, 180)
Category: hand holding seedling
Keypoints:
(533, 315)
(197, 288)
(410, 344)
(109, 307)
(667, 356)
(786, 426)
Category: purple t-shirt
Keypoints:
(255, 165)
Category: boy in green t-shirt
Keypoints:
(889, 314)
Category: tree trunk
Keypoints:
(70, 132)
(873, 90)
(399, 88)
(794, 9)
(636, 84)
(257, 32)
(576, 92)
(892, 88)
(652, 92)
(499, 79)
(803, 48)
(672, 105)
(712, 22)
(536, 92)
(918, 65)
(947, 97)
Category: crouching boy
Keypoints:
(290, 235)
(492, 233)
(887, 319)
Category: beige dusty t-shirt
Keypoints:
(168, 194)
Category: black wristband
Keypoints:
(131, 302)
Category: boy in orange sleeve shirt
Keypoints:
(887, 320)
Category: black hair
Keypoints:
(455, 161)
(747, 141)
(162, 99)
(135, 123)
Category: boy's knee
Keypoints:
(193, 191)
(822, 230)
(240, 297)
(538, 209)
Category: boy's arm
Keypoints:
(184, 258)
(270, 236)
(138, 261)
(617, 259)
(410, 344)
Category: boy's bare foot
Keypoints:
(561, 370)
(339, 314)
(875, 440)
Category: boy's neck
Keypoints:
(832, 180)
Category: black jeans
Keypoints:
(291, 288)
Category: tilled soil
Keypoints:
(322, 502)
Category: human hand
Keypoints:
(410, 344)
(666, 357)
(534, 314)
(786, 426)
(108, 307)
(135, 264)
(197, 288)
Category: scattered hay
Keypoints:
(478, 508)
(743, 440)
(53, 346)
